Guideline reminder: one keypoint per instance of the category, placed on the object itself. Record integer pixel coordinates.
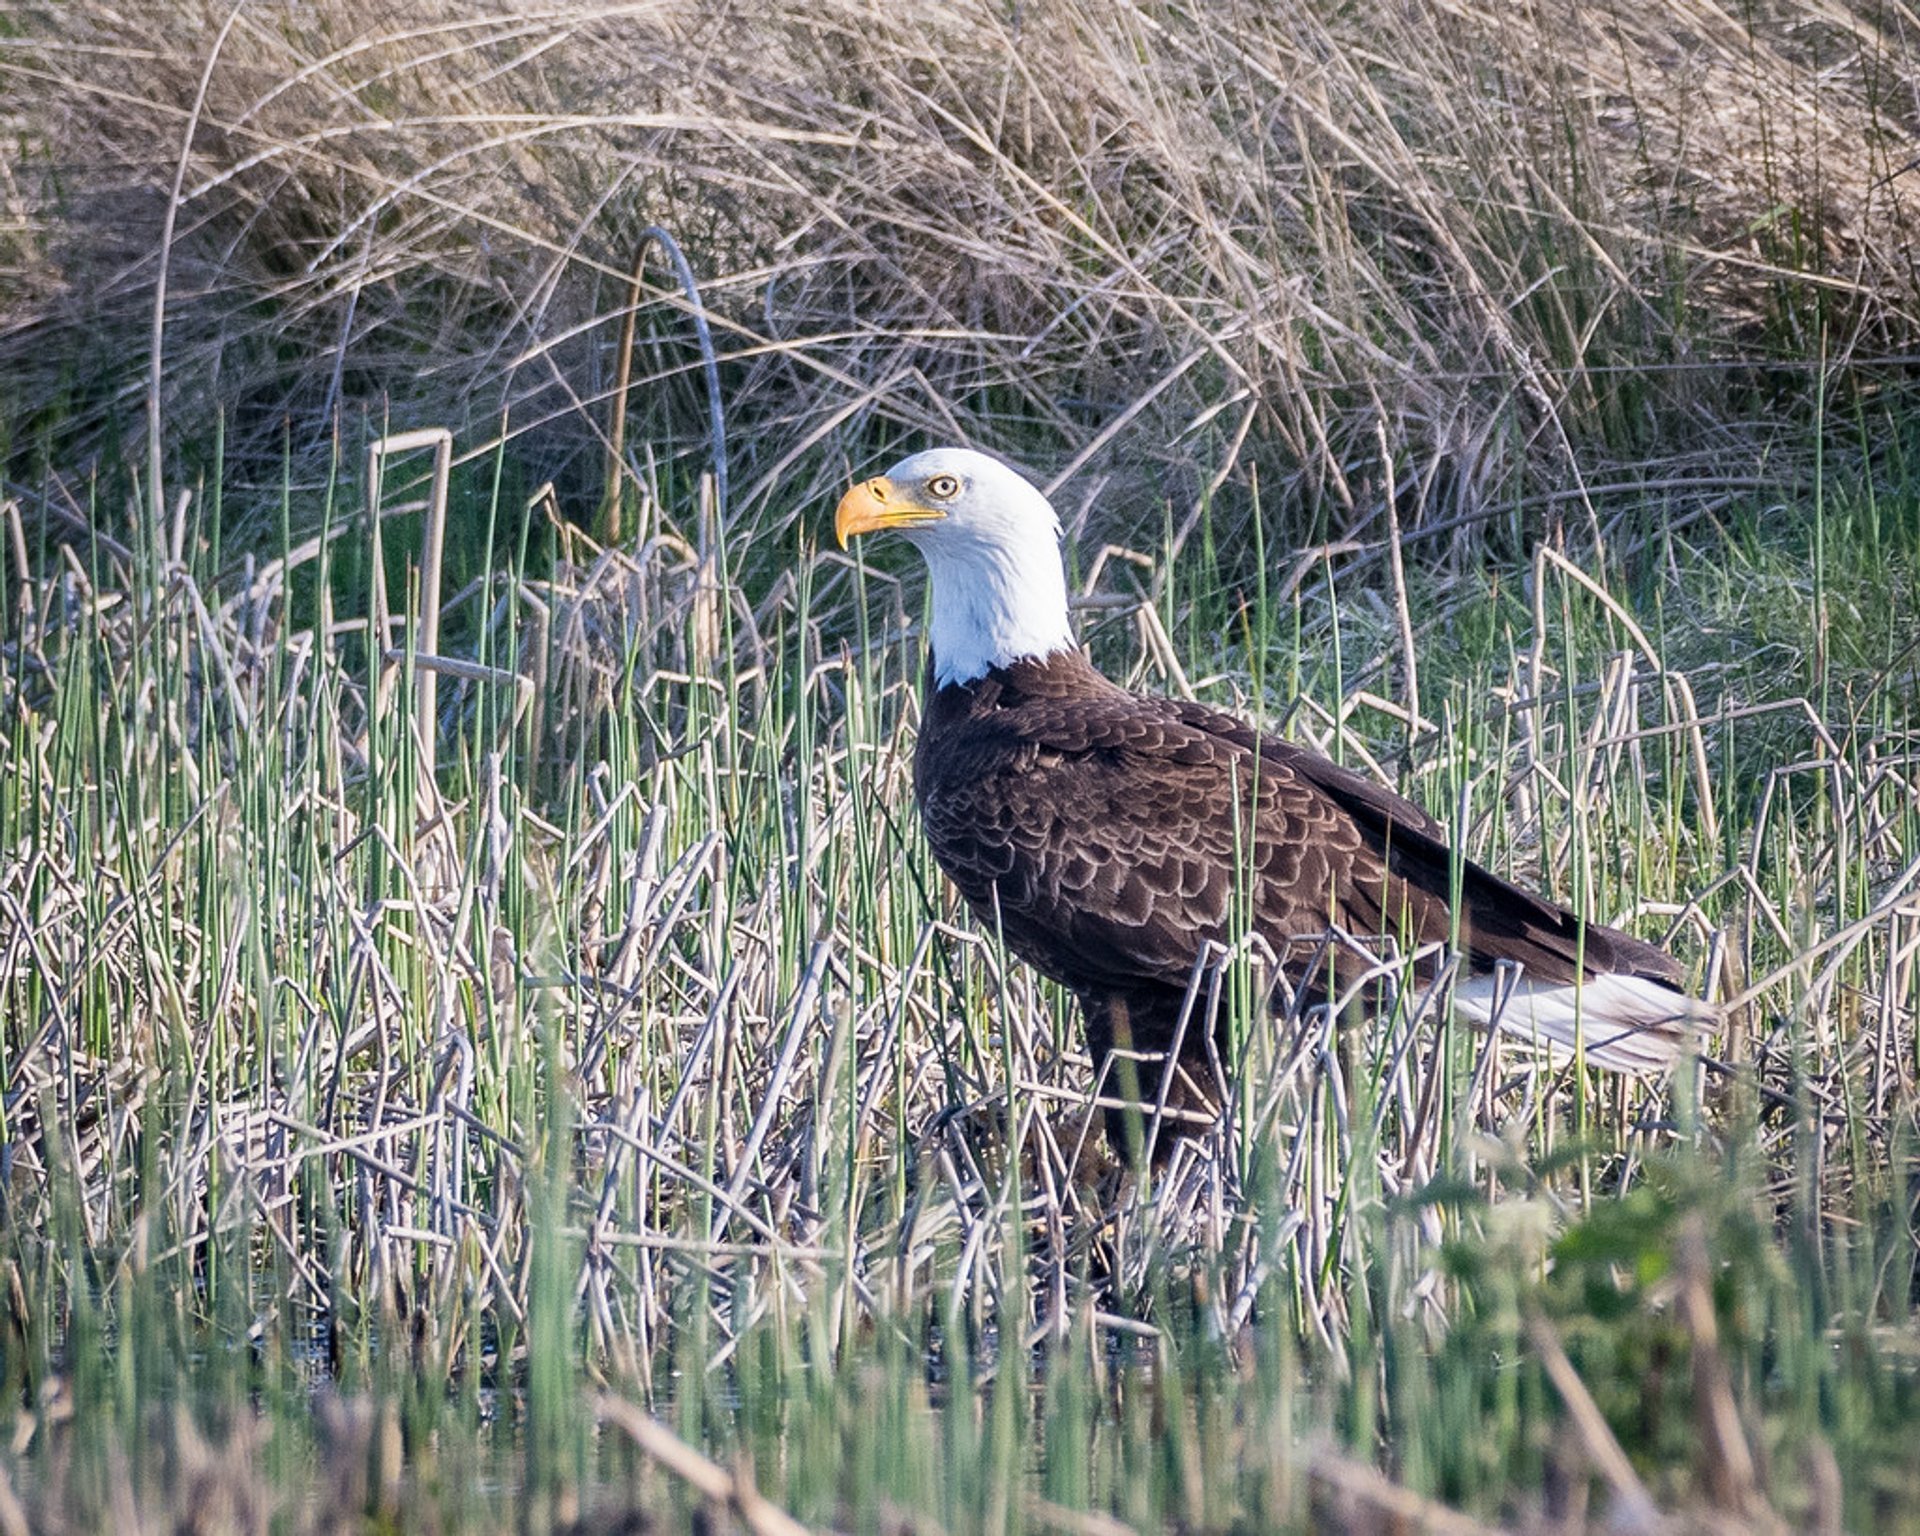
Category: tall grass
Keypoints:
(639, 1044)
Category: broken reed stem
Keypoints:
(733, 1491)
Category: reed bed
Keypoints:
(612, 1020)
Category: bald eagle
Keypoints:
(1109, 836)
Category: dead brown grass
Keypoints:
(1529, 241)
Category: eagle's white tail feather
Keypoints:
(1624, 1023)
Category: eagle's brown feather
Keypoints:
(1104, 833)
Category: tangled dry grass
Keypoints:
(1524, 248)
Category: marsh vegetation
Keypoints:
(485, 1046)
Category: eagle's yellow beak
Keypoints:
(878, 503)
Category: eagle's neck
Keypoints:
(1065, 674)
(995, 604)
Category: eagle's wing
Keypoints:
(1110, 842)
(1108, 839)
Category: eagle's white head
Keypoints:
(992, 547)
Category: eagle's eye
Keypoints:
(943, 487)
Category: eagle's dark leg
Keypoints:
(1146, 1021)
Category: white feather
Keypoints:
(999, 589)
(1623, 1023)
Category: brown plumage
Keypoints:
(1106, 834)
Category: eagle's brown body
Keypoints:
(1097, 829)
